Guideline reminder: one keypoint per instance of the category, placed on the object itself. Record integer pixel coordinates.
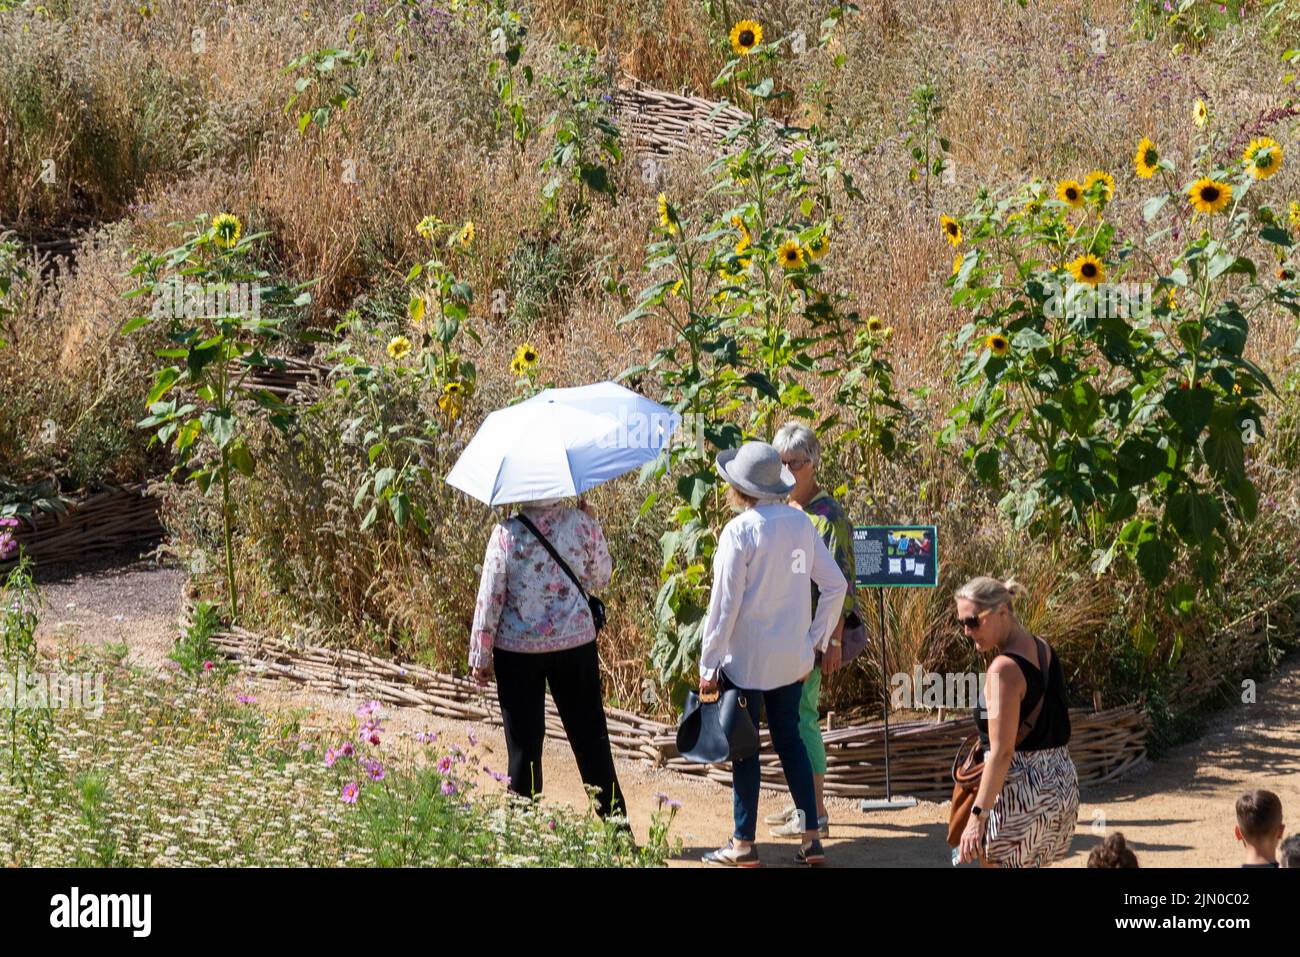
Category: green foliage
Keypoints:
(586, 139)
(386, 418)
(925, 145)
(30, 758)
(1132, 423)
(11, 271)
(752, 329)
(200, 401)
(327, 86)
(505, 30)
(194, 651)
(1189, 24)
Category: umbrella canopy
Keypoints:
(560, 443)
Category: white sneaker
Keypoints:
(786, 813)
(793, 826)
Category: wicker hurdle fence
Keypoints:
(1104, 744)
(103, 522)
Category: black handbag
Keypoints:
(717, 729)
(595, 604)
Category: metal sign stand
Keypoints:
(890, 803)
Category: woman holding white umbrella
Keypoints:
(533, 627)
(534, 624)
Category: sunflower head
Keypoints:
(1293, 216)
(1209, 196)
(399, 347)
(744, 241)
(465, 238)
(1088, 269)
(667, 215)
(1147, 160)
(790, 254)
(452, 399)
(426, 227)
(951, 230)
(1263, 157)
(1105, 191)
(226, 230)
(874, 324)
(745, 36)
(526, 356)
(997, 344)
(818, 247)
(1200, 115)
(1070, 192)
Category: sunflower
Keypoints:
(1173, 300)
(667, 215)
(874, 324)
(453, 395)
(1100, 176)
(1069, 191)
(1293, 216)
(952, 229)
(746, 35)
(1088, 269)
(743, 243)
(466, 235)
(1263, 156)
(399, 347)
(1147, 160)
(677, 288)
(956, 263)
(517, 367)
(997, 344)
(818, 247)
(426, 227)
(1209, 196)
(790, 254)
(526, 356)
(1200, 115)
(225, 230)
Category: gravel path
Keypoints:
(1176, 812)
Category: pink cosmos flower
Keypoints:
(346, 750)
(375, 770)
(246, 699)
(208, 666)
(350, 791)
(330, 757)
(448, 787)
(444, 765)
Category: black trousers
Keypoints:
(574, 678)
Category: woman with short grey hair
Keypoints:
(760, 632)
(800, 452)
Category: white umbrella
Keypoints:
(560, 443)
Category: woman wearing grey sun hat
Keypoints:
(760, 631)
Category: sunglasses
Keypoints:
(794, 464)
(974, 621)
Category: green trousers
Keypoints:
(810, 729)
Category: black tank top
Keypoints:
(1053, 727)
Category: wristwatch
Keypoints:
(976, 810)
(835, 643)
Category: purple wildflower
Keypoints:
(330, 757)
(444, 765)
(208, 666)
(350, 791)
(448, 787)
(346, 750)
(246, 699)
(375, 770)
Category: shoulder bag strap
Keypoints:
(554, 554)
(1044, 668)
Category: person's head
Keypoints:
(984, 610)
(800, 451)
(754, 474)
(1259, 821)
(1288, 852)
(1113, 852)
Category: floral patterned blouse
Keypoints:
(525, 600)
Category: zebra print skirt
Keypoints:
(1032, 821)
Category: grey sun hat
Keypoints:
(755, 469)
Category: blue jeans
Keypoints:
(782, 706)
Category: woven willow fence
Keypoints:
(104, 522)
(656, 124)
(1104, 744)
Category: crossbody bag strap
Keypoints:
(554, 554)
(1044, 668)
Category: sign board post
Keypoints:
(893, 556)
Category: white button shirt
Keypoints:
(760, 628)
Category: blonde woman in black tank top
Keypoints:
(1028, 800)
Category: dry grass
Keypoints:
(1025, 95)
